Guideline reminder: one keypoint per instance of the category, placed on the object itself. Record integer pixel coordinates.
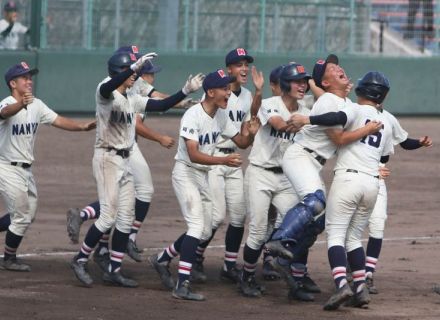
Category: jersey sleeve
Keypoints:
(140, 103)
(268, 111)
(20, 28)
(47, 115)
(229, 129)
(399, 134)
(189, 127)
(351, 113)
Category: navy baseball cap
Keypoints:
(10, 6)
(236, 55)
(149, 68)
(319, 68)
(216, 79)
(19, 70)
(275, 74)
(130, 49)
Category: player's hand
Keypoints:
(193, 83)
(88, 125)
(425, 141)
(348, 88)
(167, 142)
(27, 98)
(141, 61)
(233, 160)
(257, 78)
(384, 172)
(253, 125)
(298, 120)
(373, 126)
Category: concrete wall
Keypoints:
(67, 80)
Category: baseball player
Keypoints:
(115, 111)
(202, 127)
(302, 163)
(10, 28)
(226, 182)
(20, 115)
(265, 182)
(355, 187)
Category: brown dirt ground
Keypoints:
(407, 269)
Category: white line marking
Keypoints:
(68, 253)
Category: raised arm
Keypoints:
(72, 125)
(258, 79)
(12, 109)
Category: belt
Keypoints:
(317, 157)
(277, 170)
(355, 171)
(226, 150)
(123, 153)
(21, 164)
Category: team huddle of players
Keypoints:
(281, 193)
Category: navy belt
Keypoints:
(123, 153)
(226, 150)
(318, 158)
(21, 164)
(355, 171)
(277, 170)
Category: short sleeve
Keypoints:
(351, 113)
(189, 127)
(399, 134)
(268, 111)
(140, 103)
(46, 114)
(229, 129)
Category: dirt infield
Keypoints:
(408, 267)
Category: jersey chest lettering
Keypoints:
(282, 135)
(208, 138)
(237, 115)
(24, 128)
(121, 117)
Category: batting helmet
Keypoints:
(118, 62)
(374, 86)
(291, 72)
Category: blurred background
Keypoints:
(71, 40)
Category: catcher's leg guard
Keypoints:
(309, 236)
(297, 218)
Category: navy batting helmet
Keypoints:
(291, 72)
(374, 86)
(118, 62)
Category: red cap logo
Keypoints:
(300, 69)
(24, 65)
(132, 57)
(134, 49)
(221, 73)
(241, 52)
(320, 62)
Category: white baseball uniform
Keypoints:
(226, 183)
(115, 136)
(190, 180)
(11, 40)
(142, 87)
(303, 160)
(376, 223)
(17, 138)
(265, 182)
(354, 189)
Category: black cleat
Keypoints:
(133, 251)
(250, 288)
(269, 272)
(369, 282)
(74, 223)
(116, 278)
(359, 299)
(310, 285)
(163, 271)
(338, 298)
(198, 272)
(81, 272)
(231, 274)
(184, 292)
(102, 260)
(13, 264)
(300, 293)
(276, 249)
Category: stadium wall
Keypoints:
(67, 80)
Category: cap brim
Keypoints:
(249, 59)
(32, 72)
(155, 69)
(332, 58)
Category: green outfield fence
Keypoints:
(67, 80)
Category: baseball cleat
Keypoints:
(133, 251)
(310, 285)
(116, 278)
(338, 298)
(197, 272)
(12, 264)
(276, 248)
(269, 273)
(184, 292)
(359, 299)
(102, 260)
(299, 293)
(231, 274)
(80, 270)
(250, 288)
(284, 271)
(74, 223)
(370, 285)
(163, 271)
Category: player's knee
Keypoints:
(238, 220)
(256, 238)
(353, 244)
(197, 230)
(105, 222)
(315, 202)
(145, 193)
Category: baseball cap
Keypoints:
(130, 49)
(149, 67)
(274, 76)
(10, 6)
(236, 55)
(19, 70)
(216, 79)
(319, 68)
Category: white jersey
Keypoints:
(11, 40)
(17, 133)
(269, 144)
(399, 134)
(116, 121)
(197, 125)
(313, 136)
(141, 87)
(364, 155)
(237, 110)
